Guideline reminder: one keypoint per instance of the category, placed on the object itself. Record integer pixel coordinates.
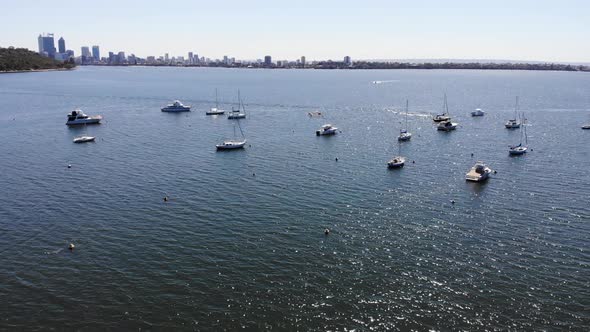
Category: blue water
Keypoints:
(240, 243)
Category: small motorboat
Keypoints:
(446, 126)
(477, 112)
(396, 162)
(77, 117)
(231, 145)
(478, 173)
(586, 126)
(84, 139)
(176, 106)
(326, 129)
(214, 111)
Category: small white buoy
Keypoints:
(71, 246)
(69, 166)
(326, 231)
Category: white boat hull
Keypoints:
(404, 137)
(84, 139)
(517, 151)
(396, 162)
(586, 126)
(92, 120)
(215, 111)
(176, 110)
(231, 145)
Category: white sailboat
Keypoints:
(240, 112)
(445, 116)
(520, 149)
(514, 123)
(404, 135)
(234, 143)
(397, 161)
(215, 110)
(84, 138)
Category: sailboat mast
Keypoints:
(406, 115)
(216, 100)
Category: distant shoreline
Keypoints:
(387, 65)
(34, 70)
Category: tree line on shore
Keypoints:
(452, 65)
(21, 59)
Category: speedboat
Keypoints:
(84, 139)
(230, 145)
(586, 126)
(396, 162)
(479, 172)
(446, 126)
(77, 117)
(512, 124)
(404, 135)
(176, 106)
(236, 114)
(214, 111)
(326, 129)
(517, 149)
(477, 112)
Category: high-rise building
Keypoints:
(166, 58)
(347, 61)
(47, 45)
(61, 45)
(303, 61)
(96, 53)
(225, 60)
(121, 57)
(267, 60)
(190, 58)
(85, 52)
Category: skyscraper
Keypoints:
(347, 61)
(47, 45)
(96, 53)
(190, 58)
(86, 51)
(303, 61)
(267, 60)
(61, 45)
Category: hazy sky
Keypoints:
(370, 29)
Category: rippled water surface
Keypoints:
(240, 243)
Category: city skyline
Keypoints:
(527, 30)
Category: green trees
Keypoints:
(17, 59)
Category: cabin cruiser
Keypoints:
(396, 162)
(176, 106)
(214, 111)
(326, 129)
(446, 126)
(479, 172)
(77, 117)
(404, 135)
(477, 112)
(512, 124)
(84, 139)
(230, 145)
